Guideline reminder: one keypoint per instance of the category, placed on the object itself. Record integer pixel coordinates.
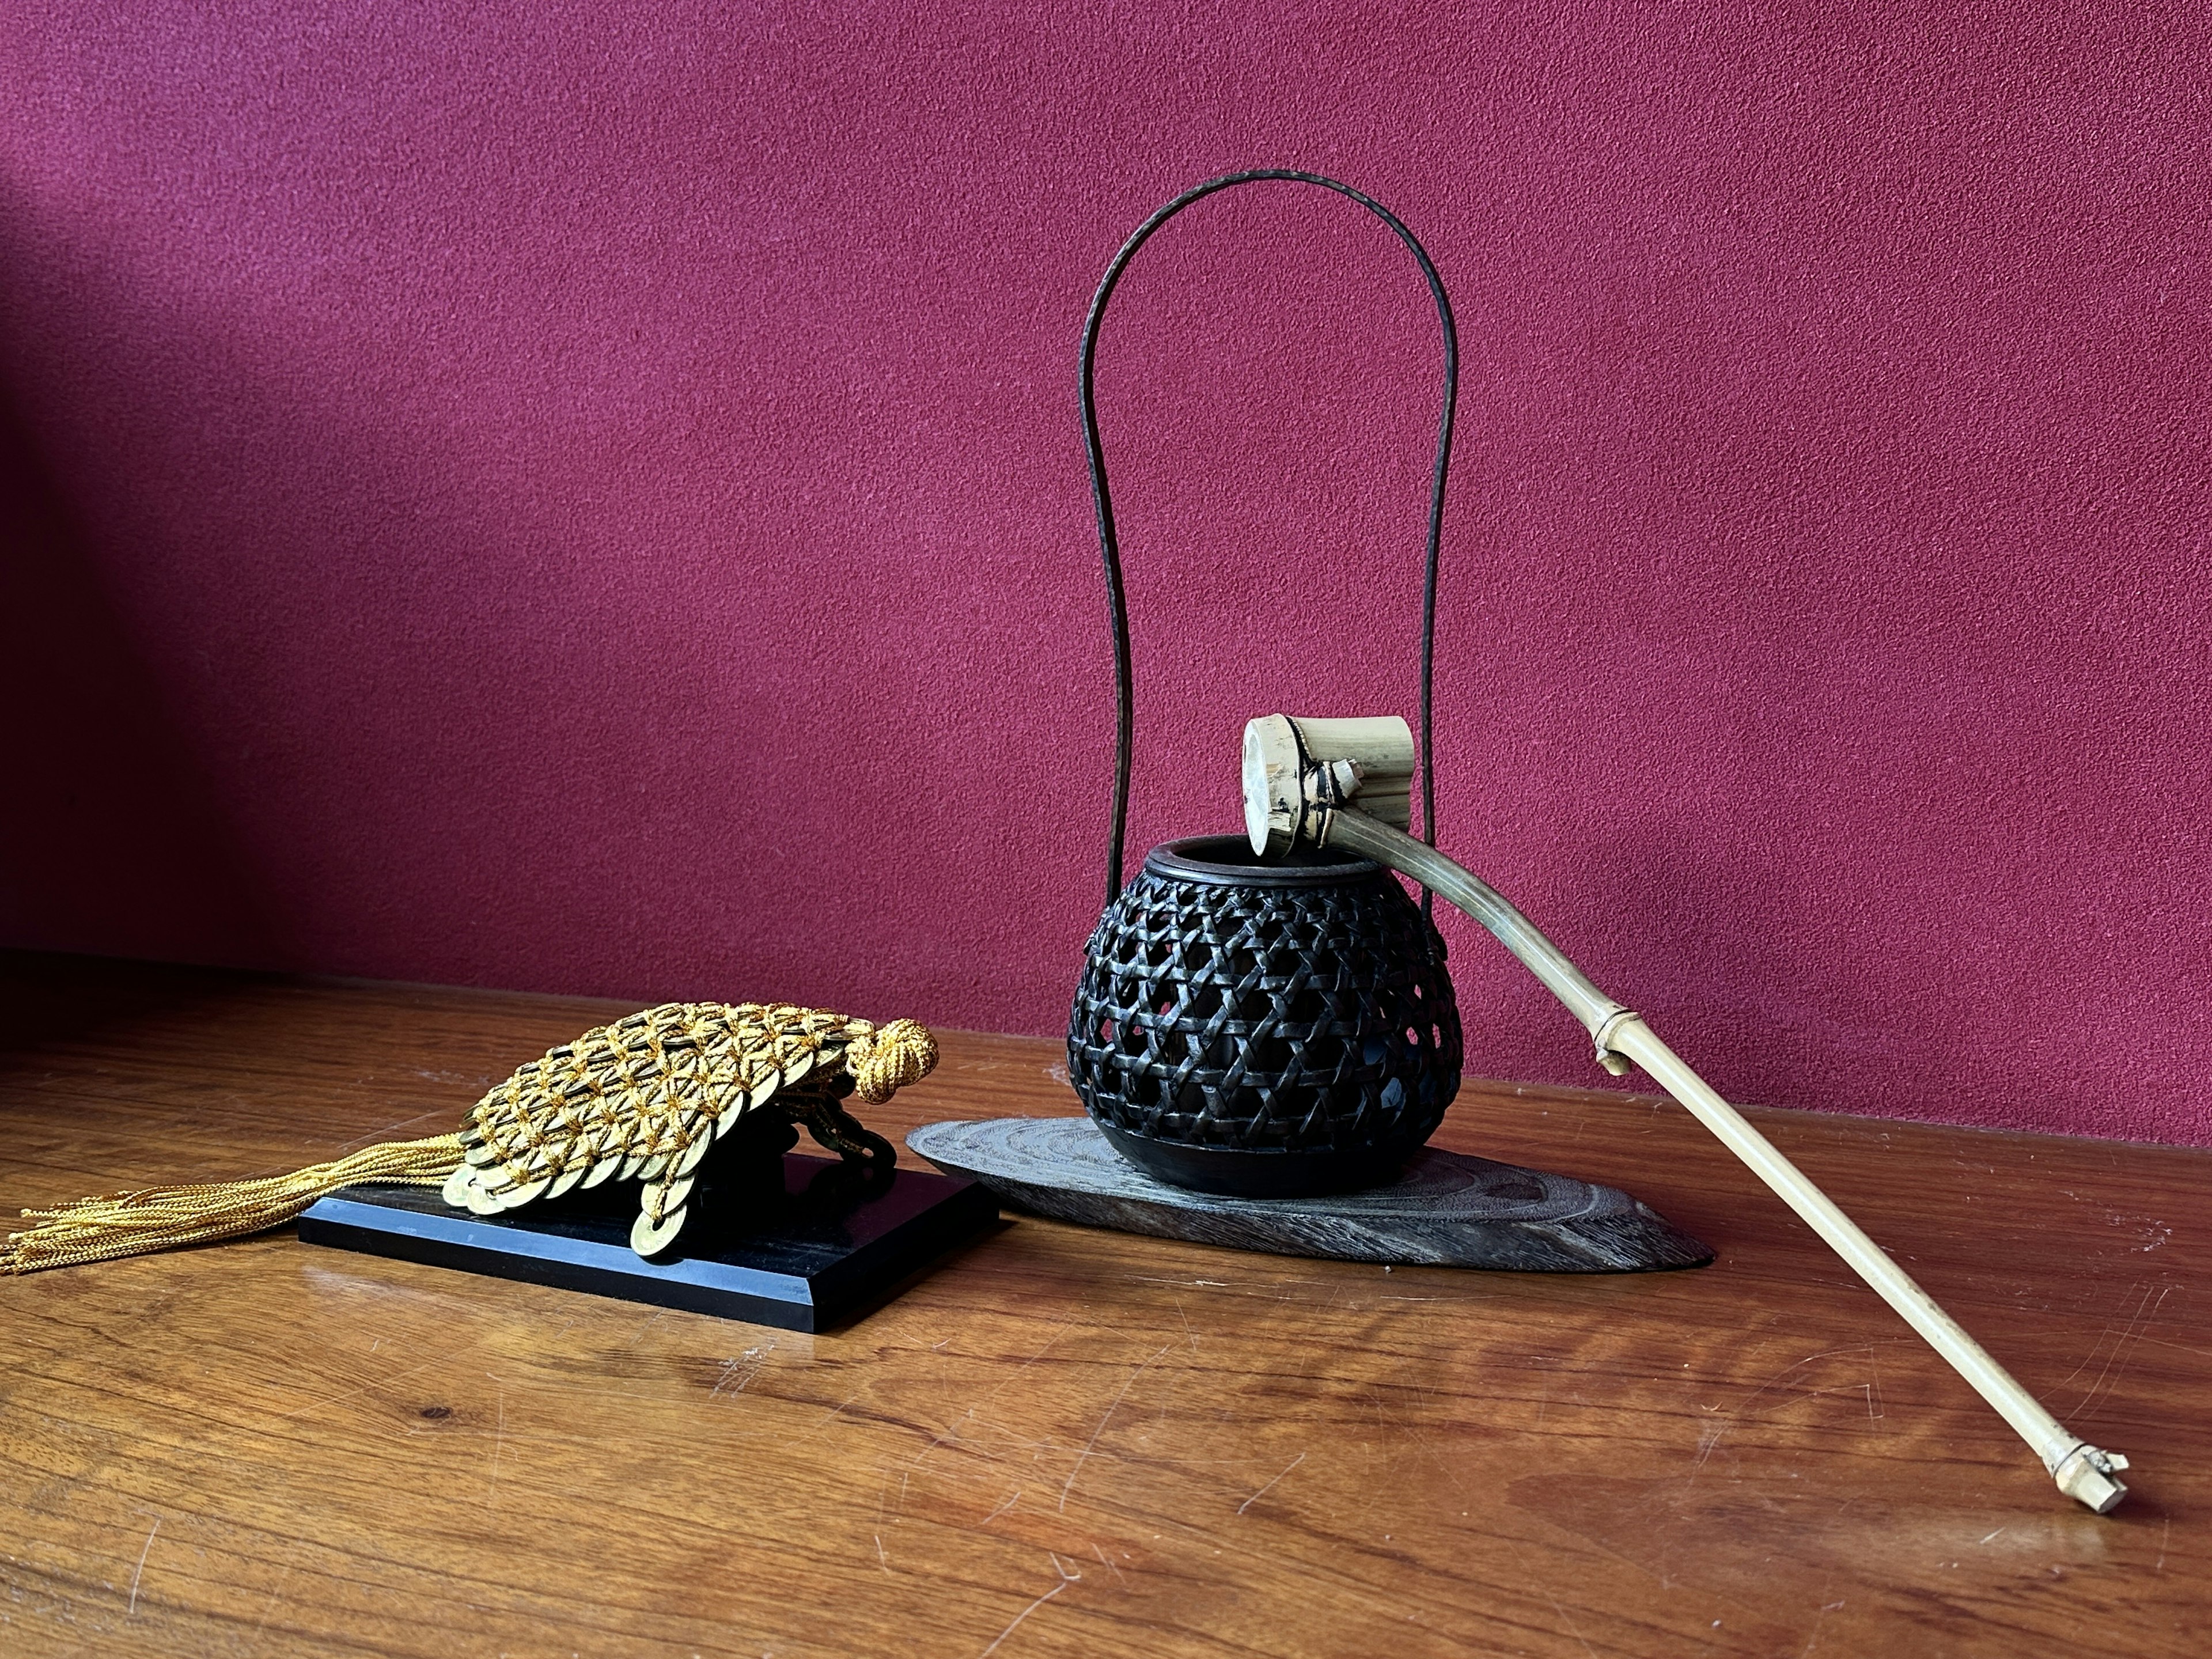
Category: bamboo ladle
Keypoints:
(1344, 783)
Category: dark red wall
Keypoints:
(556, 500)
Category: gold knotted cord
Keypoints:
(162, 1218)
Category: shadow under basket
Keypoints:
(1266, 1029)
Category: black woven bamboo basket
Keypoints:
(1265, 1028)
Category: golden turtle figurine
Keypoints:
(646, 1097)
(649, 1096)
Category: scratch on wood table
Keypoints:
(1271, 1486)
(1082, 1456)
(140, 1572)
(1064, 1582)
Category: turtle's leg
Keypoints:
(844, 1135)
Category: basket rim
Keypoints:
(1228, 861)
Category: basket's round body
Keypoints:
(1270, 1031)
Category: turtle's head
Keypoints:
(885, 1059)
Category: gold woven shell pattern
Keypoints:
(649, 1096)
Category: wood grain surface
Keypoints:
(1067, 1442)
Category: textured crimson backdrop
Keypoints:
(594, 503)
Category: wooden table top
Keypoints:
(1061, 1441)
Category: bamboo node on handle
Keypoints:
(1608, 1056)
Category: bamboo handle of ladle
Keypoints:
(1324, 813)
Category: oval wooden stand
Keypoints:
(1445, 1209)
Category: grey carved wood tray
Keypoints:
(1446, 1209)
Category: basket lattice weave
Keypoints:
(1266, 1019)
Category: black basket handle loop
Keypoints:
(1124, 715)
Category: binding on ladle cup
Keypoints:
(1342, 783)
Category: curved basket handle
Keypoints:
(1125, 720)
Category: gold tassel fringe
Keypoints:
(162, 1218)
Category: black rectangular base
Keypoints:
(827, 1247)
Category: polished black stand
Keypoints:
(802, 1243)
